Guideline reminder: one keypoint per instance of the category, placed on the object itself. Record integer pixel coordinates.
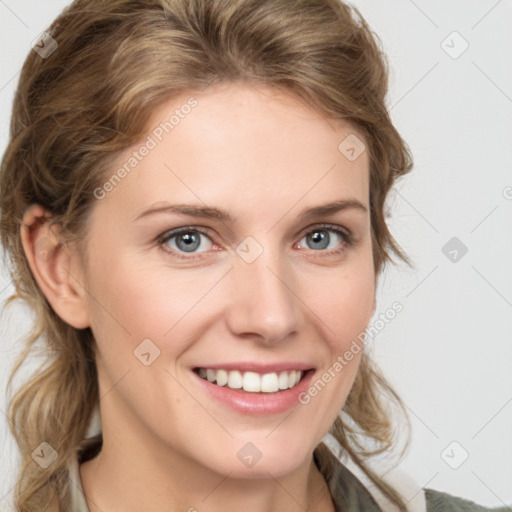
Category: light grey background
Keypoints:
(449, 352)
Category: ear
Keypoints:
(56, 267)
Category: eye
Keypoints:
(191, 242)
(327, 239)
(186, 240)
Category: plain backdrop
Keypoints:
(448, 353)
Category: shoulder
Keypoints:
(438, 501)
(352, 490)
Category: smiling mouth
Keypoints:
(252, 382)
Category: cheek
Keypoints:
(138, 311)
(346, 306)
(347, 310)
(132, 302)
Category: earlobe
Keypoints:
(55, 267)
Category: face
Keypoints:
(223, 325)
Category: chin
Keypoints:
(261, 457)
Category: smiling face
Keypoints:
(250, 284)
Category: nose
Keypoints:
(264, 303)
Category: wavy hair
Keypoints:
(75, 110)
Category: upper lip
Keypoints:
(258, 367)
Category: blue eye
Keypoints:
(185, 240)
(191, 242)
(322, 238)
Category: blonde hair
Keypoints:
(91, 98)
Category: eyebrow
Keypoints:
(207, 212)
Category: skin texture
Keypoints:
(263, 156)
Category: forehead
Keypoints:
(244, 147)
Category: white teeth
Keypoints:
(269, 383)
(252, 382)
(283, 380)
(291, 379)
(235, 380)
(222, 377)
(294, 379)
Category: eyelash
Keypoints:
(345, 234)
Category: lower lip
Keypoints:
(257, 404)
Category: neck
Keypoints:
(133, 480)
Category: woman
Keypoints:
(192, 200)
